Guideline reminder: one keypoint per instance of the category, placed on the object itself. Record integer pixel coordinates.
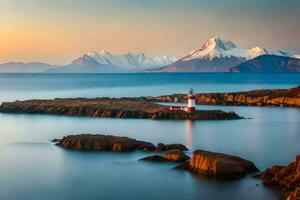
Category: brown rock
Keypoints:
(117, 147)
(171, 156)
(146, 146)
(176, 155)
(88, 142)
(287, 177)
(55, 140)
(218, 165)
(183, 166)
(180, 147)
(155, 158)
(160, 147)
(294, 195)
(110, 107)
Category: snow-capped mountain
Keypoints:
(85, 64)
(296, 56)
(217, 48)
(214, 55)
(217, 55)
(106, 62)
(130, 61)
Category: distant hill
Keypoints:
(94, 62)
(268, 64)
(15, 67)
(85, 64)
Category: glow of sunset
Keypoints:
(56, 31)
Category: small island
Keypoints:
(271, 97)
(99, 142)
(111, 107)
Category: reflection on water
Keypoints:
(189, 133)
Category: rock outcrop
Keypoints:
(110, 107)
(170, 156)
(55, 140)
(167, 147)
(155, 158)
(176, 155)
(287, 177)
(97, 142)
(277, 97)
(88, 142)
(218, 165)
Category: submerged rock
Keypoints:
(176, 155)
(160, 147)
(146, 146)
(155, 158)
(180, 147)
(287, 177)
(55, 140)
(173, 156)
(165, 147)
(218, 165)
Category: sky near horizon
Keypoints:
(57, 31)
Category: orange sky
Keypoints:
(56, 31)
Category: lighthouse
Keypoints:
(190, 108)
(191, 102)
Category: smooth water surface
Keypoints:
(33, 168)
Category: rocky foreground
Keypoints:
(110, 107)
(286, 177)
(277, 97)
(202, 162)
(218, 165)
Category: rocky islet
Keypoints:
(112, 108)
(286, 177)
(270, 97)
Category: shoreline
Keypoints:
(265, 97)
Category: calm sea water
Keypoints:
(33, 168)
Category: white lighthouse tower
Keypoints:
(191, 105)
(191, 102)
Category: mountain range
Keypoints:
(106, 62)
(217, 55)
(214, 55)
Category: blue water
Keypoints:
(33, 168)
